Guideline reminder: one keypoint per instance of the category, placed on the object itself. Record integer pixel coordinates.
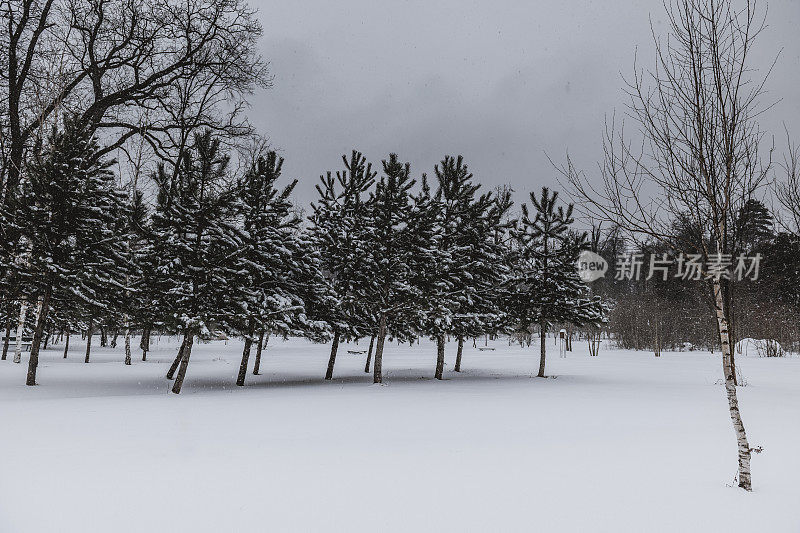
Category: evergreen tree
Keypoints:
(338, 226)
(145, 301)
(468, 265)
(198, 247)
(284, 285)
(391, 248)
(73, 214)
(753, 225)
(546, 288)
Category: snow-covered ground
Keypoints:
(619, 442)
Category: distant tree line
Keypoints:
(675, 314)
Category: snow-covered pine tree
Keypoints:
(107, 306)
(143, 300)
(487, 270)
(391, 247)
(546, 288)
(71, 211)
(431, 271)
(468, 262)
(338, 226)
(198, 247)
(282, 271)
(13, 303)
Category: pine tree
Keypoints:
(753, 226)
(391, 247)
(283, 283)
(144, 301)
(198, 246)
(488, 270)
(468, 264)
(546, 288)
(72, 213)
(338, 225)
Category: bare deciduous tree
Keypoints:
(695, 153)
(787, 191)
(151, 68)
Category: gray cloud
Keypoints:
(499, 82)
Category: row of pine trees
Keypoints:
(382, 255)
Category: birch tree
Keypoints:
(697, 152)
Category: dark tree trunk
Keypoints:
(377, 368)
(458, 354)
(33, 361)
(188, 339)
(46, 339)
(439, 357)
(144, 343)
(369, 354)
(66, 341)
(174, 366)
(259, 349)
(103, 337)
(114, 339)
(248, 344)
(8, 335)
(88, 340)
(542, 338)
(332, 358)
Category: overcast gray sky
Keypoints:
(500, 82)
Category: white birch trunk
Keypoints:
(127, 341)
(744, 451)
(23, 311)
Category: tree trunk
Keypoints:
(332, 358)
(33, 361)
(174, 366)
(439, 356)
(127, 341)
(46, 339)
(188, 339)
(727, 295)
(8, 335)
(144, 343)
(66, 342)
(377, 367)
(369, 354)
(89, 340)
(594, 343)
(543, 340)
(458, 354)
(259, 349)
(23, 311)
(248, 343)
(730, 390)
(656, 339)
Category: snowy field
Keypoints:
(620, 442)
